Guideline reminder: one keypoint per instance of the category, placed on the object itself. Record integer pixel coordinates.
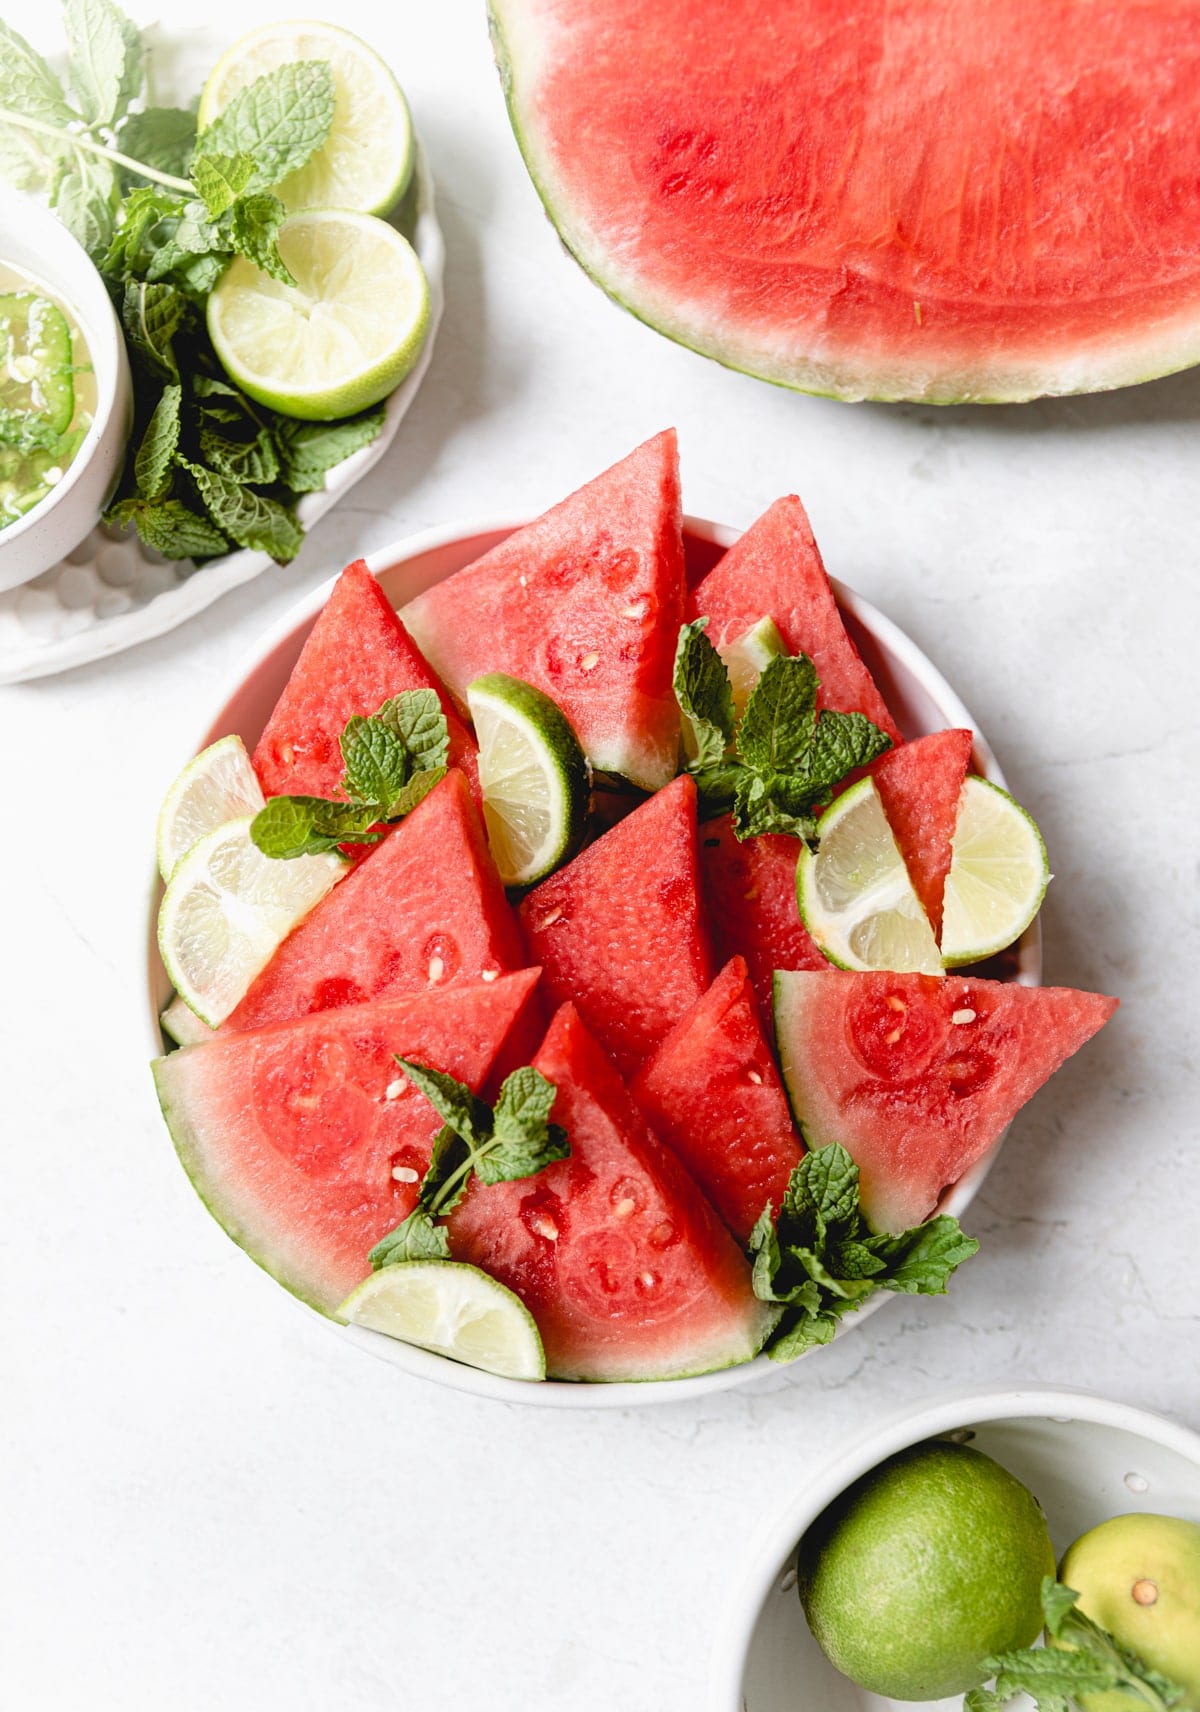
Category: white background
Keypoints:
(209, 1502)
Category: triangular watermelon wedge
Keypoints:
(619, 931)
(357, 655)
(775, 571)
(424, 909)
(307, 1142)
(920, 785)
(713, 1094)
(615, 1252)
(586, 604)
(918, 1076)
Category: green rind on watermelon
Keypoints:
(585, 604)
(356, 656)
(622, 1262)
(920, 786)
(425, 908)
(620, 931)
(712, 1093)
(918, 1076)
(292, 1134)
(768, 208)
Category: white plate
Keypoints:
(913, 688)
(112, 592)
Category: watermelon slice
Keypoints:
(425, 908)
(713, 1094)
(586, 604)
(775, 570)
(306, 1142)
(918, 1076)
(619, 931)
(750, 894)
(357, 655)
(615, 1252)
(928, 201)
(920, 785)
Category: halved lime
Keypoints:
(183, 1025)
(998, 875)
(748, 656)
(341, 338)
(454, 1310)
(226, 909)
(218, 785)
(367, 159)
(533, 774)
(855, 896)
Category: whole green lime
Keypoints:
(924, 1567)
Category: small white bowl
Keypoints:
(34, 240)
(1084, 1457)
(917, 694)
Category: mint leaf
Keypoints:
(459, 1109)
(717, 786)
(702, 689)
(95, 32)
(415, 791)
(133, 73)
(248, 462)
(86, 199)
(415, 1238)
(375, 760)
(309, 450)
(153, 459)
(919, 1262)
(417, 718)
(254, 230)
(843, 742)
(27, 84)
(524, 1139)
(220, 180)
(250, 518)
(170, 528)
(280, 120)
(161, 137)
(287, 827)
(762, 804)
(139, 235)
(152, 315)
(823, 1189)
(777, 727)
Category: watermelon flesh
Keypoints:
(620, 930)
(585, 604)
(919, 1076)
(615, 1252)
(294, 1135)
(750, 896)
(985, 202)
(424, 908)
(775, 570)
(357, 655)
(920, 785)
(713, 1094)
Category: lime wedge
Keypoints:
(533, 775)
(454, 1310)
(855, 896)
(998, 875)
(226, 909)
(748, 656)
(183, 1025)
(341, 338)
(367, 159)
(218, 785)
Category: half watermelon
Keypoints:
(989, 201)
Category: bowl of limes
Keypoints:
(985, 1546)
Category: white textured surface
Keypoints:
(208, 1502)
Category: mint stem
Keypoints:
(81, 140)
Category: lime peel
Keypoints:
(453, 1310)
(533, 775)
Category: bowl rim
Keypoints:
(907, 1425)
(557, 1393)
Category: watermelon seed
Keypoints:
(649, 1279)
(489, 975)
(625, 1207)
(545, 1226)
(589, 662)
(895, 1003)
(394, 1089)
(550, 918)
(962, 1016)
(893, 1035)
(523, 581)
(755, 1078)
(437, 969)
(405, 1174)
(637, 610)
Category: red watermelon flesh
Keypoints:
(586, 604)
(713, 1094)
(775, 569)
(947, 202)
(750, 893)
(424, 909)
(620, 931)
(920, 785)
(293, 1135)
(918, 1076)
(616, 1253)
(357, 655)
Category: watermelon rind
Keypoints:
(1147, 353)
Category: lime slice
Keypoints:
(341, 338)
(748, 656)
(226, 909)
(367, 159)
(217, 786)
(998, 875)
(533, 775)
(454, 1310)
(183, 1025)
(855, 896)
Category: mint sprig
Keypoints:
(778, 766)
(499, 1144)
(820, 1259)
(1058, 1679)
(391, 761)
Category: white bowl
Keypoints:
(1084, 1457)
(915, 691)
(33, 239)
